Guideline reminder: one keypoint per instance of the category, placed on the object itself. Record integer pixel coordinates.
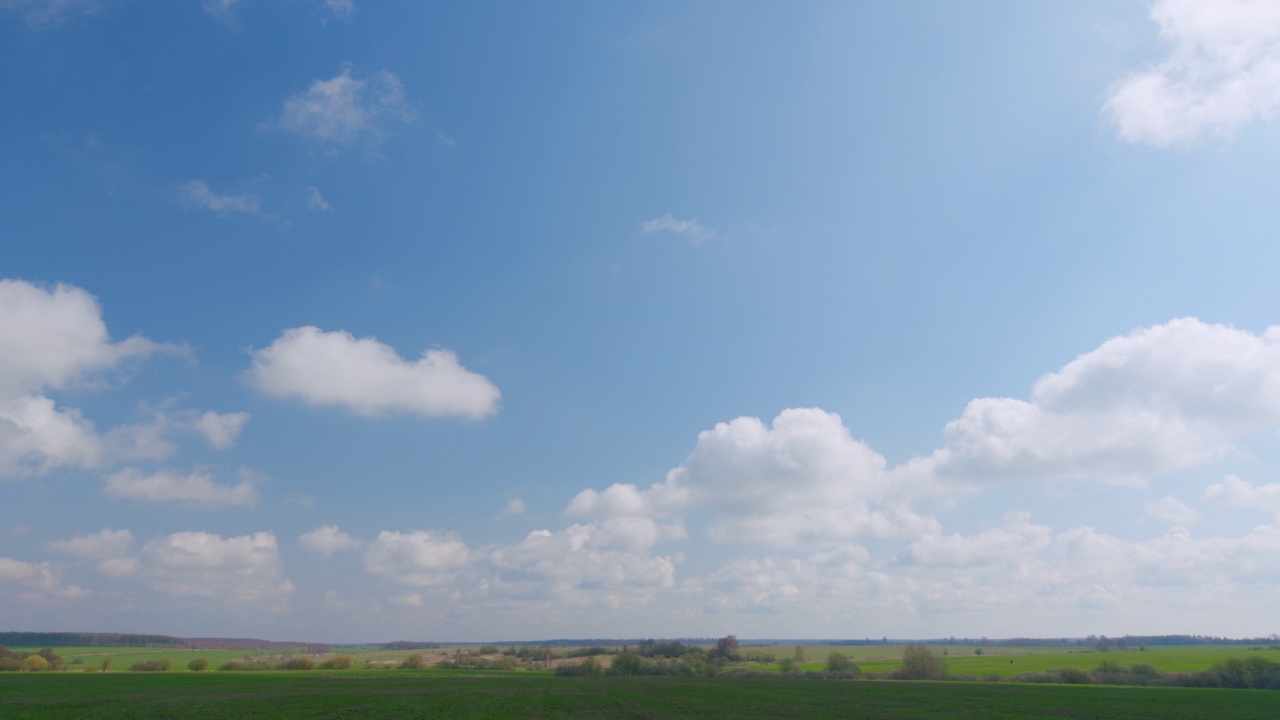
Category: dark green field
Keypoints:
(431, 695)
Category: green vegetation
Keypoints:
(427, 694)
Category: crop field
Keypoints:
(1010, 661)
(414, 694)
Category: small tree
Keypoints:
(787, 665)
(198, 665)
(35, 663)
(839, 662)
(106, 662)
(799, 653)
(919, 663)
(727, 647)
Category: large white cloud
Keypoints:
(196, 489)
(1222, 71)
(244, 569)
(805, 479)
(55, 338)
(1156, 400)
(346, 109)
(368, 377)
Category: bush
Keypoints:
(150, 666)
(298, 663)
(919, 663)
(787, 666)
(839, 662)
(487, 650)
(627, 663)
(413, 662)
(586, 667)
(34, 663)
(236, 665)
(5, 652)
(337, 662)
(198, 665)
(1071, 676)
(8, 664)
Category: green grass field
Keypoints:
(271, 695)
(1010, 661)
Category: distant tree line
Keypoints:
(90, 639)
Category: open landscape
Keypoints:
(644, 359)
(646, 679)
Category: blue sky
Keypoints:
(345, 321)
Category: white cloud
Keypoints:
(1236, 492)
(220, 8)
(316, 201)
(1159, 399)
(1173, 511)
(54, 338)
(408, 600)
(346, 109)
(327, 540)
(198, 193)
(368, 377)
(1222, 72)
(514, 506)
(221, 430)
(244, 569)
(804, 480)
(196, 489)
(417, 558)
(691, 228)
(35, 575)
(36, 437)
(1016, 538)
(100, 546)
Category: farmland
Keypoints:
(428, 694)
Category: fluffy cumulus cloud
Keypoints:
(1221, 72)
(1233, 491)
(421, 557)
(327, 540)
(221, 429)
(803, 480)
(35, 582)
(368, 377)
(196, 489)
(245, 569)
(345, 109)
(52, 338)
(1156, 400)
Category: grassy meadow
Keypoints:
(376, 687)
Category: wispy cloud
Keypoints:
(691, 228)
(316, 201)
(344, 109)
(50, 12)
(336, 10)
(197, 193)
(1222, 71)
